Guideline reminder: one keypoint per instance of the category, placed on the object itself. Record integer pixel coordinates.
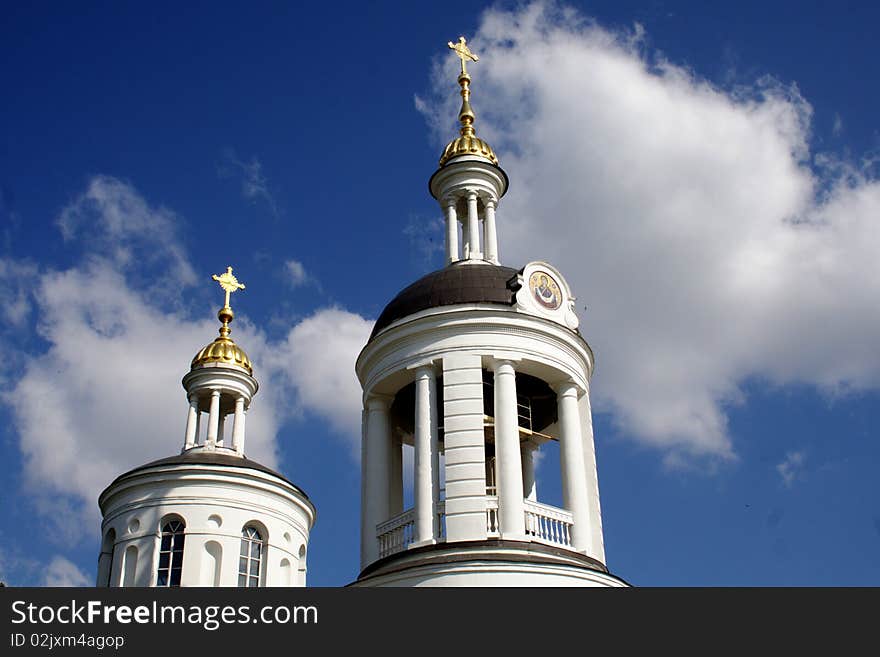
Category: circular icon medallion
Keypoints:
(545, 290)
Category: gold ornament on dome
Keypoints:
(464, 53)
(223, 349)
(468, 143)
(229, 283)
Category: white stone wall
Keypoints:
(490, 566)
(511, 574)
(549, 351)
(215, 502)
(465, 450)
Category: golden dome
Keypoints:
(223, 349)
(467, 143)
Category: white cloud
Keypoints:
(254, 186)
(16, 569)
(296, 273)
(18, 278)
(317, 360)
(426, 238)
(101, 398)
(62, 572)
(119, 225)
(687, 218)
(791, 467)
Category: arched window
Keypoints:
(129, 566)
(251, 557)
(301, 574)
(171, 553)
(105, 561)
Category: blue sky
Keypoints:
(704, 175)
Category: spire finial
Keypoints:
(466, 114)
(230, 284)
(467, 143)
(464, 53)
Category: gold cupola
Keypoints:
(467, 143)
(223, 349)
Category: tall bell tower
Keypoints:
(478, 367)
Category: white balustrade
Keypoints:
(543, 524)
(493, 526)
(396, 533)
(441, 520)
(548, 524)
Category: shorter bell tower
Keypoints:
(208, 516)
(220, 383)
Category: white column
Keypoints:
(464, 437)
(507, 456)
(435, 462)
(213, 419)
(364, 520)
(425, 457)
(490, 243)
(192, 422)
(451, 232)
(571, 458)
(238, 426)
(221, 429)
(597, 548)
(473, 226)
(530, 487)
(375, 468)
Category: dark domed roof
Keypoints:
(203, 457)
(460, 282)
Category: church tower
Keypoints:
(478, 367)
(208, 516)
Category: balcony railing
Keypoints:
(548, 524)
(493, 525)
(396, 533)
(543, 524)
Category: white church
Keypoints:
(476, 366)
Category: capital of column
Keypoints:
(502, 365)
(425, 372)
(427, 365)
(567, 389)
(378, 402)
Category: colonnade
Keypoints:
(514, 463)
(214, 436)
(470, 228)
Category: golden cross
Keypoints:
(229, 283)
(464, 53)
